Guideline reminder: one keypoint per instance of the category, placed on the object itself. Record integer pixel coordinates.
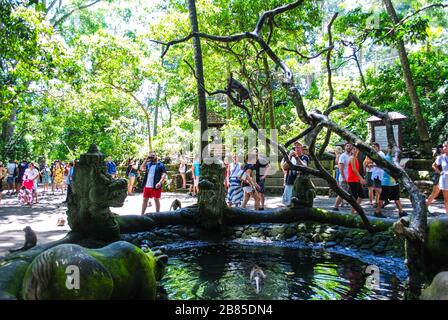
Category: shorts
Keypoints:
(369, 181)
(132, 175)
(196, 181)
(355, 189)
(435, 179)
(261, 184)
(248, 189)
(152, 193)
(377, 183)
(35, 185)
(390, 193)
(344, 186)
(10, 180)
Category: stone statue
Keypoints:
(304, 192)
(94, 191)
(117, 271)
(211, 199)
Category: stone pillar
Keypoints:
(211, 198)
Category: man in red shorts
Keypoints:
(153, 180)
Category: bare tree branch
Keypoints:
(309, 57)
(330, 44)
(410, 15)
(203, 87)
(65, 16)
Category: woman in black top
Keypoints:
(131, 173)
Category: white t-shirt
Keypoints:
(11, 167)
(344, 160)
(378, 172)
(150, 182)
(31, 174)
(443, 162)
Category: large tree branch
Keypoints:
(68, 14)
(309, 57)
(272, 13)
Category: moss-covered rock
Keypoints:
(436, 243)
(117, 271)
(438, 290)
(12, 273)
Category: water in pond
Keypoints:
(218, 272)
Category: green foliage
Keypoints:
(94, 77)
(387, 91)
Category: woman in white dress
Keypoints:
(441, 167)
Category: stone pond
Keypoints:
(303, 260)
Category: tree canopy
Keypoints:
(75, 72)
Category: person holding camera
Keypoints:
(297, 157)
(155, 175)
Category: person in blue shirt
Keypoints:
(111, 167)
(196, 173)
(153, 180)
(390, 190)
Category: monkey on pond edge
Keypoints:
(30, 240)
(176, 205)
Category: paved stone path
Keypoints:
(42, 217)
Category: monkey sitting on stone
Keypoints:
(175, 205)
(257, 276)
(30, 240)
(242, 93)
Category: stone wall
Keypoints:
(310, 233)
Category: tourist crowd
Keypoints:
(382, 187)
(243, 181)
(22, 179)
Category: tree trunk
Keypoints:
(202, 107)
(156, 110)
(8, 132)
(270, 99)
(422, 127)
(229, 105)
(148, 126)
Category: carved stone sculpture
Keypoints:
(304, 192)
(117, 271)
(94, 191)
(211, 199)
